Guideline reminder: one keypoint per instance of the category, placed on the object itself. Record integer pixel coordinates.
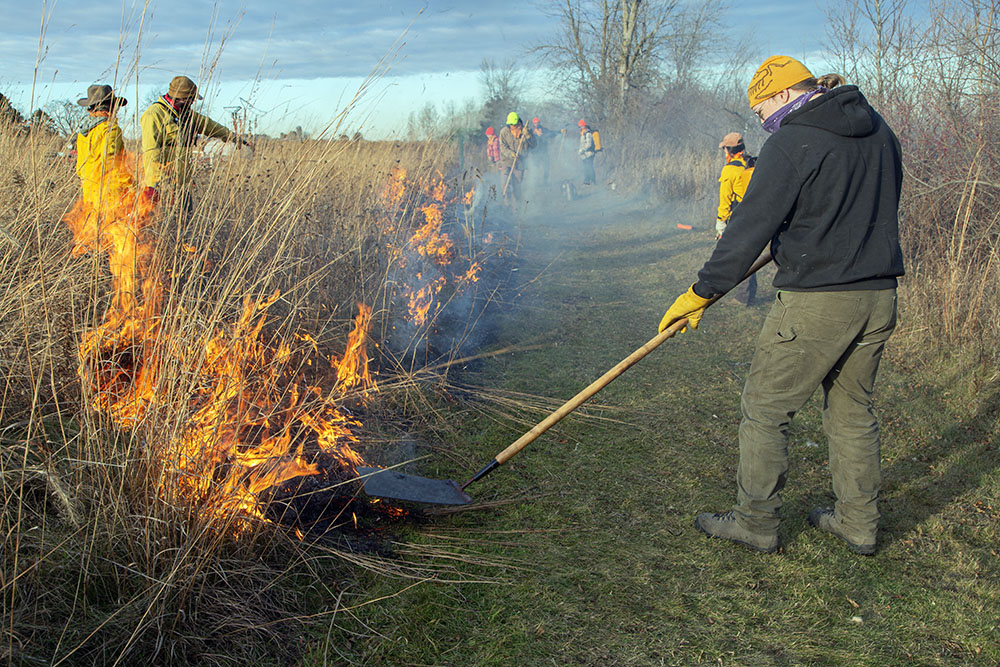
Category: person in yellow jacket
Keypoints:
(733, 182)
(169, 127)
(100, 153)
(105, 217)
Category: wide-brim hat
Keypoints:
(99, 94)
(183, 88)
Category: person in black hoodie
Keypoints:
(824, 195)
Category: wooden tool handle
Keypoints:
(513, 164)
(603, 381)
(598, 384)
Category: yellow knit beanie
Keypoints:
(773, 76)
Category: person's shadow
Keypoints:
(927, 476)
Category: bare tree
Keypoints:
(503, 88)
(612, 55)
(66, 116)
(873, 42)
(607, 50)
(696, 32)
(425, 124)
(970, 46)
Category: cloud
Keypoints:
(291, 39)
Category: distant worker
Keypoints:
(543, 137)
(492, 147)
(515, 143)
(587, 151)
(733, 183)
(169, 127)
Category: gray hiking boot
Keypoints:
(724, 525)
(824, 518)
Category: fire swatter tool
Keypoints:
(390, 484)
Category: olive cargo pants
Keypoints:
(812, 339)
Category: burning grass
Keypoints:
(184, 395)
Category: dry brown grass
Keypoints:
(950, 301)
(98, 566)
(685, 173)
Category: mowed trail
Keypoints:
(611, 490)
(591, 526)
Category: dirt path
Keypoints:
(603, 565)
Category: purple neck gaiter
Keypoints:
(773, 121)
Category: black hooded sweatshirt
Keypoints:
(825, 192)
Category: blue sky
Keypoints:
(300, 62)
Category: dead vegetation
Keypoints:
(98, 566)
(107, 553)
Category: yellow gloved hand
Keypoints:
(688, 305)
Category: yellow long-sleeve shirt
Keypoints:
(100, 153)
(167, 139)
(733, 183)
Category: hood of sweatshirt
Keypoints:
(843, 111)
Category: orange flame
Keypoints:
(255, 422)
(352, 370)
(472, 275)
(249, 423)
(430, 249)
(113, 219)
(429, 241)
(421, 301)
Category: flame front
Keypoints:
(249, 422)
(241, 418)
(257, 424)
(428, 248)
(110, 217)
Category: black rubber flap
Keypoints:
(380, 483)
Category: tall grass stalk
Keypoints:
(99, 563)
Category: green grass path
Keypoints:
(600, 562)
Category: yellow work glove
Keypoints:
(688, 305)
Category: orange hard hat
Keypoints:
(490, 132)
(535, 120)
(582, 123)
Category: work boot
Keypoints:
(825, 518)
(724, 525)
